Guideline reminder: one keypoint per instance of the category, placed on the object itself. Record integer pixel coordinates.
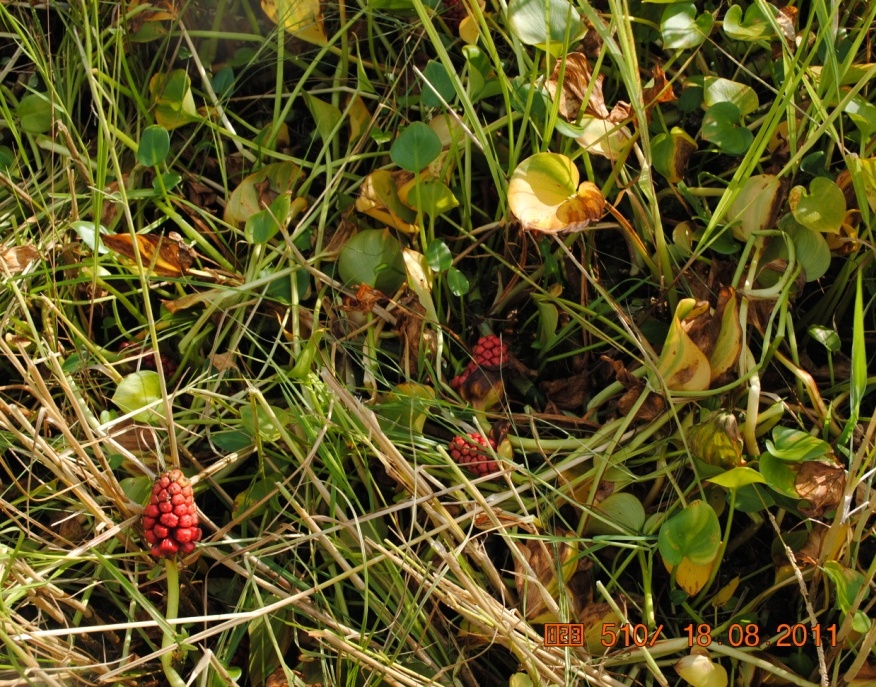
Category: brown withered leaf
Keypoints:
(660, 92)
(822, 485)
(17, 258)
(159, 254)
(573, 95)
(567, 393)
(652, 406)
(546, 559)
(483, 521)
(418, 341)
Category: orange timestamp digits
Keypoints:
(749, 635)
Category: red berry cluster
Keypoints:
(488, 353)
(170, 521)
(466, 450)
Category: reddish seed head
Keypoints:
(170, 521)
(470, 451)
(489, 353)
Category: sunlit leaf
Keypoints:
(753, 26)
(826, 336)
(698, 670)
(737, 478)
(682, 29)
(694, 533)
(848, 584)
(603, 137)
(90, 235)
(725, 593)
(416, 146)
(618, 513)
(719, 90)
(544, 195)
(717, 440)
(258, 190)
(431, 196)
(796, 445)
(302, 18)
(779, 475)
(549, 24)
(671, 152)
(682, 365)
(689, 576)
(138, 390)
(822, 209)
(728, 344)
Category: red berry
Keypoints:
(489, 353)
(469, 451)
(170, 521)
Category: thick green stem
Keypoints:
(172, 570)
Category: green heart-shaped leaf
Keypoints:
(722, 126)
(682, 29)
(822, 209)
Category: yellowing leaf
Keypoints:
(603, 137)
(359, 117)
(258, 190)
(682, 365)
(690, 576)
(159, 254)
(728, 345)
(698, 670)
(596, 617)
(756, 205)
(725, 593)
(545, 196)
(174, 104)
(302, 18)
(379, 198)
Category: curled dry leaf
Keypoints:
(822, 485)
(161, 255)
(660, 92)
(17, 258)
(650, 408)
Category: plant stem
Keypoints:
(172, 570)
